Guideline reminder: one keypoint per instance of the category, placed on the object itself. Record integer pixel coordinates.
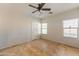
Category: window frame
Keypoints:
(44, 28)
(70, 34)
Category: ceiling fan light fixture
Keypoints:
(50, 12)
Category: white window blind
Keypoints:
(70, 28)
(44, 28)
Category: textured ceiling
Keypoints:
(56, 8)
(26, 10)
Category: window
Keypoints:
(70, 28)
(44, 28)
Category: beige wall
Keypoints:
(55, 28)
(35, 29)
(15, 26)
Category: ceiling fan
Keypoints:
(40, 7)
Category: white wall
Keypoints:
(55, 28)
(35, 29)
(15, 26)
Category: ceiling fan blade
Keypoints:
(40, 6)
(33, 6)
(34, 11)
(46, 9)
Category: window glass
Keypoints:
(70, 28)
(44, 28)
(44, 31)
(70, 23)
(44, 25)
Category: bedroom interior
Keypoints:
(39, 29)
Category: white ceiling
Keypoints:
(62, 7)
(56, 8)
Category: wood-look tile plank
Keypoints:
(40, 47)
